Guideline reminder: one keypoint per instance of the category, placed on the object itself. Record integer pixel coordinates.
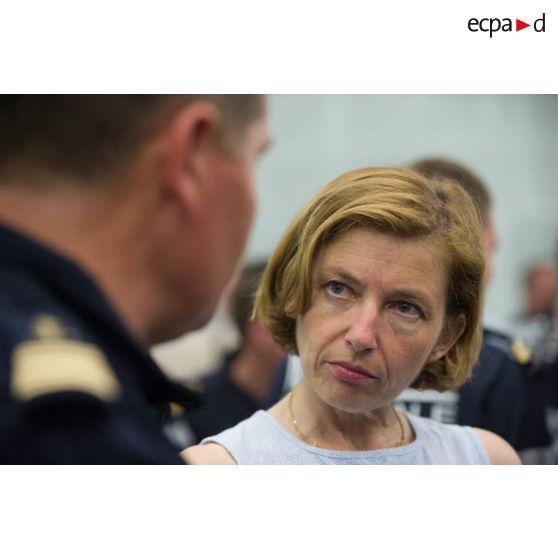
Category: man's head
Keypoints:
(170, 177)
(443, 169)
(540, 288)
(89, 137)
(256, 338)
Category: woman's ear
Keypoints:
(188, 143)
(451, 333)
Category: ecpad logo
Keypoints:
(493, 25)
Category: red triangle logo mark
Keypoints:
(519, 25)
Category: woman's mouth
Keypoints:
(350, 374)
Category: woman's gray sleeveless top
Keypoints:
(261, 440)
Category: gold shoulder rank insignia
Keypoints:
(50, 365)
(45, 326)
(520, 351)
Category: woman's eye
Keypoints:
(407, 308)
(336, 288)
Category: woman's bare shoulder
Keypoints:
(207, 454)
(499, 451)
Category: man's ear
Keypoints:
(189, 140)
(453, 330)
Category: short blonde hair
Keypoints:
(399, 202)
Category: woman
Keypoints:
(377, 285)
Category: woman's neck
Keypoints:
(308, 417)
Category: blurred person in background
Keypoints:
(122, 217)
(502, 396)
(377, 286)
(539, 329)
(535, 327)
(541, 285)
(249, 378)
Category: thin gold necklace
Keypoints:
(313, 442)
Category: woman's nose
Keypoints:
(362, 331)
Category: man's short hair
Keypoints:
(87, 136)
(443, 169)
(401, 203)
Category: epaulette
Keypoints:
(520, 351)
(514, 348)
(49, 363)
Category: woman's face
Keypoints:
(375, 319)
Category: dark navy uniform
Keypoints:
(495, 397)
(499, 396)
(74, 385)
